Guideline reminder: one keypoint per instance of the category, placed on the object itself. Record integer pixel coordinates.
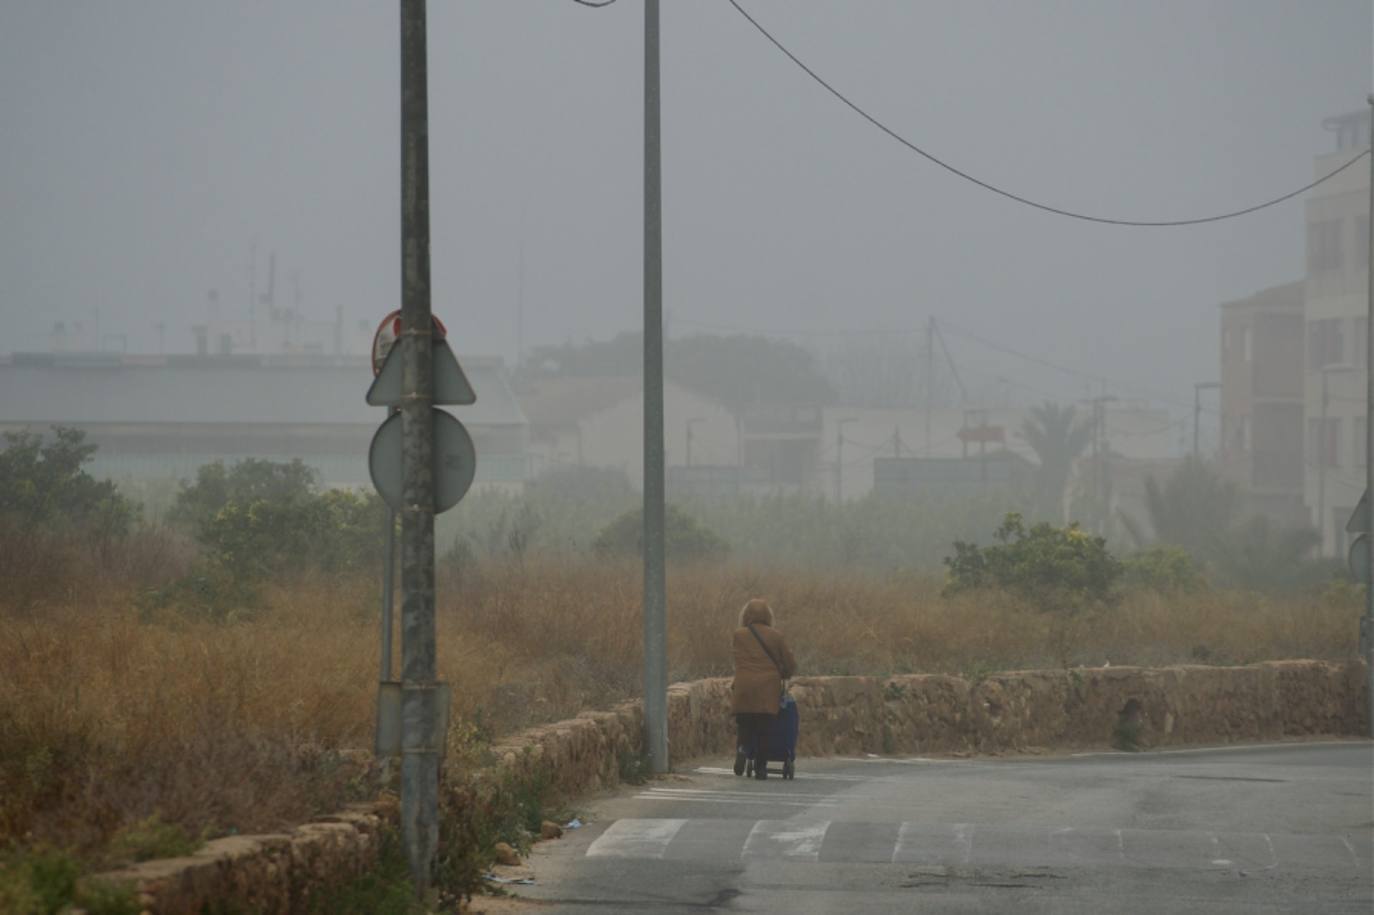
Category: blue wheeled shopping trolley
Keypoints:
(782, 739)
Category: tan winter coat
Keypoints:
(757, 685)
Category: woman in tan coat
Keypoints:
(762, 662)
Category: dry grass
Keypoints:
(108, 716)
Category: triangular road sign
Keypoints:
(450, 384)
(1359, 518)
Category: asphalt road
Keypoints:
(1279, 828)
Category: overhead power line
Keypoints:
(1058, 211)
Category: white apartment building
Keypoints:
(1335, 309)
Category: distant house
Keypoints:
(1262, 401)
(599, 422)
(161, 417)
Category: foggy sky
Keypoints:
(147, 144)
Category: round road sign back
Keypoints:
(455, 461)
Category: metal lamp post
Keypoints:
(1323, 452)
(839, 455)
(690, 423)
(1198, 388)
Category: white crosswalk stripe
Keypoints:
(957, 845)
(786, 839)
(636, 838)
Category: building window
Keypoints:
(1324, 343)
(1358, 442)
(1325, 442)
(1246, 338)
(1362, 240)
(1360, 345)
(1324, 246)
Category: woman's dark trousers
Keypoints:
(752, 733)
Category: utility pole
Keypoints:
(419, 758)
(1323, 455)
(1367, 624)
(655, 548)
(1198, 388)
(839, 457)
(690, 422)
(930, 378)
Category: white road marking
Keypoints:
(801, 777)
(786, 839)
(1354, 858)
(1273, 855)
(1120, 846)
(638, 838)
(736, 800)
(765, 796)
(963, 837)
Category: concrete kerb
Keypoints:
(1015, 711)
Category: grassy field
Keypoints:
(117, 722)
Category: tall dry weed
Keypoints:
(109, 715)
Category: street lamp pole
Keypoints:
(839, 456)
(655, 549)
(1367, 624)
(694, 419)
(1198, 388)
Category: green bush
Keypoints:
(1166, 569)
(43, 485)
(151, 838)
(262, 518)
(686, 537)
(1055, 569)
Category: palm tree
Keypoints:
(1057, 439)
(1194, 509)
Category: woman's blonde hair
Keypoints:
(756, 611)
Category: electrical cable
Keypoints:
(1058, 211)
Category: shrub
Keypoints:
(686, 537)
(1166, 569)
(1052, 568)
(262, 518)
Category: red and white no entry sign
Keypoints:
(389, 331)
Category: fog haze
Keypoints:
(150, 146)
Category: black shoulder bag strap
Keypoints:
(764, 646)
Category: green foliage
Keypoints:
(882, 533)
(1054, 569)
(262, 518)
(151, 838)
(384, 890)
(1193, 508)
(42, 881)
(1057, 440)
(42, 484)
(565, 510)
(1166, 569)
(1260, 555)
(685, 536)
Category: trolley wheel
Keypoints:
(789, 771)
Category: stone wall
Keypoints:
(925, 714)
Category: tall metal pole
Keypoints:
(419, 756)
(930, 378)
(655, 550)
(1197, 415)
(839, 461)
(388, 591)
(1367, 624)
(1322, 457)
